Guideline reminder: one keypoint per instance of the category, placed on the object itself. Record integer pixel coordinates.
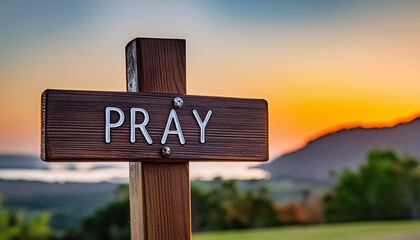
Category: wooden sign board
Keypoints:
(123, 126)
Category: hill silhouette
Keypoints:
(343, 148)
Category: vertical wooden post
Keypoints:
(159, 192)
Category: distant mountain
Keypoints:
(68, 203)
(9, 161)
(343, 148)
(16, 161)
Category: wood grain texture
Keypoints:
(167, 197)
(159, 192)
(137, 203)
(160, 65)
(75, 128)
(136, 186)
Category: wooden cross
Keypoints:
(158, 129)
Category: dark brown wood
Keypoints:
(166, 192)
(159, 65)
(159, 192)
(75, 128)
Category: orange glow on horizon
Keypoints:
(337, 128)
(319, 73)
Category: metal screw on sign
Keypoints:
(178, 102)
(166, 151)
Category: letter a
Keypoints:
(174, 117)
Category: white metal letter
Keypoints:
(142, 125)
(109, 125)
(173, 116)
(202, 124)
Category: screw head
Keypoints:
(166, 151)
(178, 102)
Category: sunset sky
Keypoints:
(321, 65)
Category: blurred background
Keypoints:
(342, 79)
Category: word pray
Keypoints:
(142, 126)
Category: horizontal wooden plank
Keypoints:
(73, 127)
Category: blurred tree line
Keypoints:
(386, 187)
(222, 206)
(17, 225)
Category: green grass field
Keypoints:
(397, 230)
